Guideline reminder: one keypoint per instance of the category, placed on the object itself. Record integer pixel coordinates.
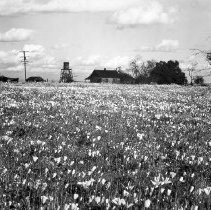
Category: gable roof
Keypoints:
(104, 74)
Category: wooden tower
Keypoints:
(66, 74)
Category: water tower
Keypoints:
(66, 73)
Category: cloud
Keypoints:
(93, 60)
(166, 45)
(148, 12)
(10, 7)
(115, 62)
(101, 62)
(37, 57)
(60, 46)
(16, 35)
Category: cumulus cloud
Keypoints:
(60, 46)
(8, 7)
(37, 56)
(100, 61)
(166, 45)
(92, 60)
(148, 12)
(16, 35)
(122, 61)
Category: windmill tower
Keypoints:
(66, 73)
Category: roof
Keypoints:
(104, 74)
(37, 78)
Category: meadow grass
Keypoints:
(104, 146)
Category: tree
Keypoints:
(141, 70)
(199, 80)
(167, 73)
(145, 71)
(134, 67)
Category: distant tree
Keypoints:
(199, 80)
(145, 71)
(141, 70)
(167, 73)
(134, 67)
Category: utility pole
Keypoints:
(25, 61)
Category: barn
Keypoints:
(110, 76)
(104, 76)
(35, 79)
(8, 79)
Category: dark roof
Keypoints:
(104, 74)
(35, 79)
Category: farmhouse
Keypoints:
(8, 79)
(110, 76)
(107, 76)
(35, 79)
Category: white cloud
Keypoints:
(37, 57)
(60, 46)
(148, 12)
(16, 35)
(8, 7)
(126, 12)
(93, 60)
(166, 45)
(115, 62)
(101, 62)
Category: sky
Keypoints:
(101, 34)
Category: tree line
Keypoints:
(159, 72)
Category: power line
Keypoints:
(25, 61)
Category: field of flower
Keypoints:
(100, 146)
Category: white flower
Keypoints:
(74, 206)
(26, 165)
(140, 136)
(192, 188)
(44, 199)
(66, 206)
(126, 193)
(200, 160)
(147, 203)
(168, 192)
(103, 181)
(93, 168)
(195, 208)
(75, 196)
(57, 160)
(98, 127)
(35, 158)
(181, 179)
(97, 199)
(207, 190)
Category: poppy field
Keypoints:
(104, 146)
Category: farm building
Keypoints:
(110, 76)
(8, 79)
(66, 73)
(35, 79)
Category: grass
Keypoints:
(101, 146)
